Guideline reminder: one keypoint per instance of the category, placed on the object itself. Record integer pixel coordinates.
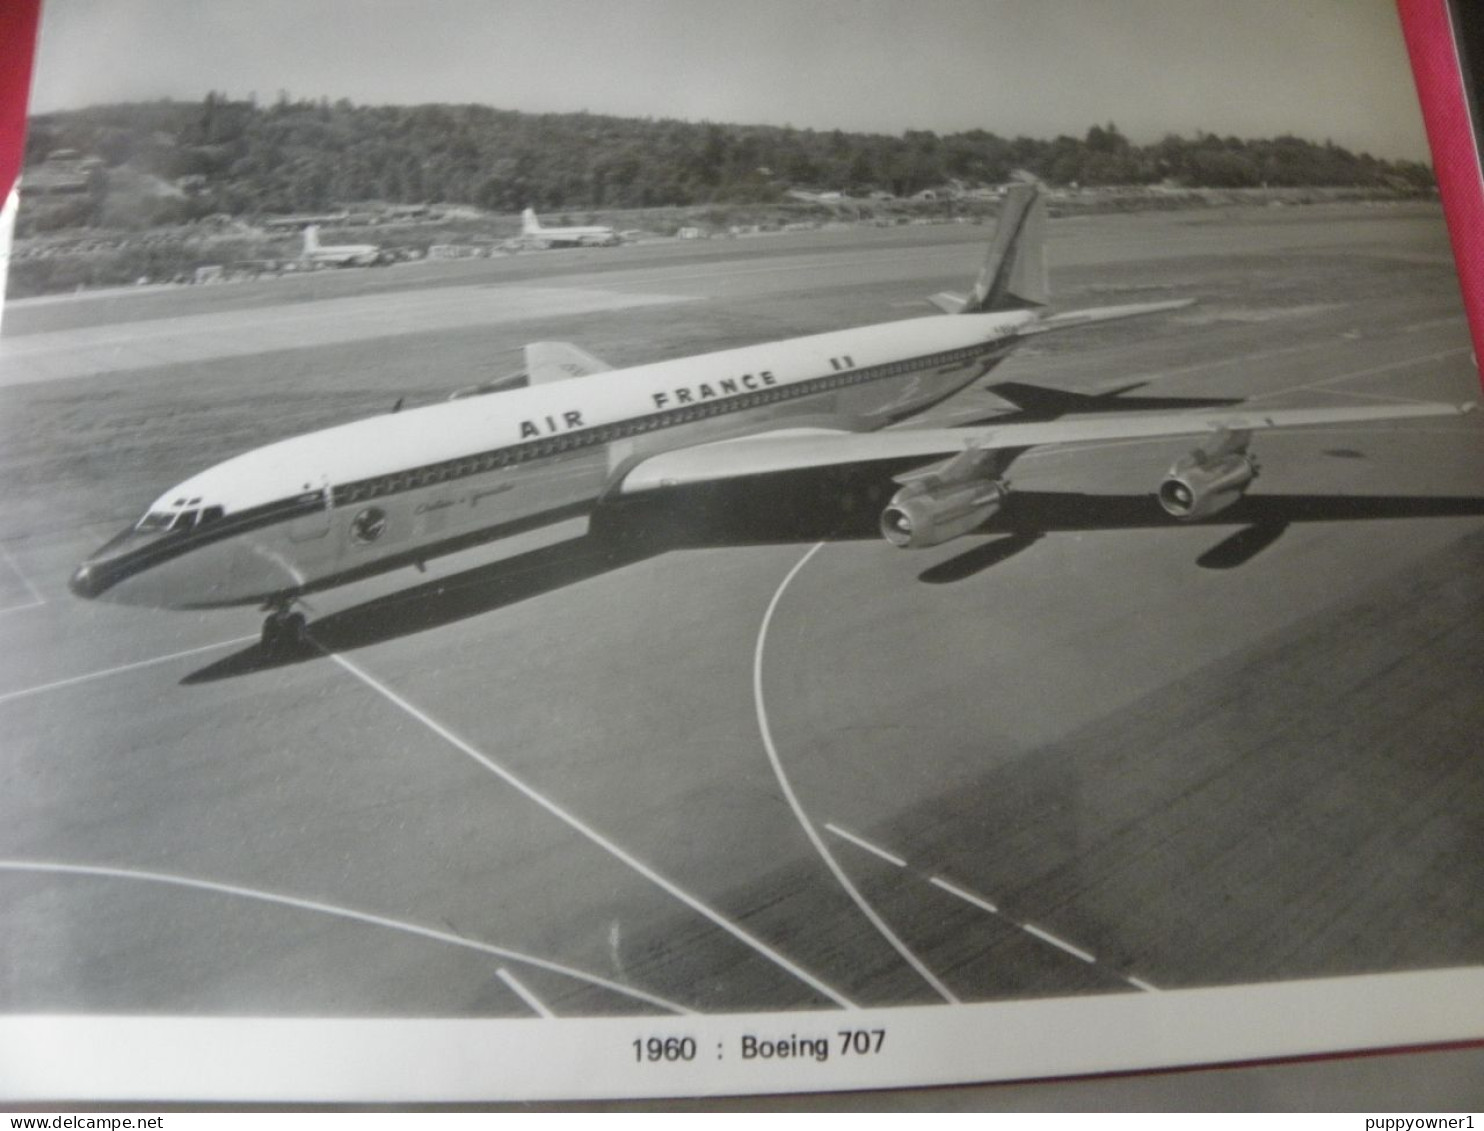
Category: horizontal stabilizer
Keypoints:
(1072, 319)
(547, 362)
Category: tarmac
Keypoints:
(756, 758)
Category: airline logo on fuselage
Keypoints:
(704, 391)
(689, 394)
(550, 424)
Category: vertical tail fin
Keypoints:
(529, 225)
(1014, 274)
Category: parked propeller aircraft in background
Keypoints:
(533, 233)
(339, 255)
(573, 435)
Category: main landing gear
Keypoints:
(284, 632)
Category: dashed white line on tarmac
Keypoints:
(174, 880)
(966, 896)
(861, 842)
(1047, 936)
(588, 831)
(803, 818)
(121, 668)
(524, 994)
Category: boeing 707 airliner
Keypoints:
(318, 510)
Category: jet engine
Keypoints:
(1209, 479)
(940, 506)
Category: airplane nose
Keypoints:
(84, 582)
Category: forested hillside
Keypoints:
(241, 158)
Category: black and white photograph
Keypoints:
(619, 518)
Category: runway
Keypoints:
(754, 757)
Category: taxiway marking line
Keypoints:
(1370, 371)
(1047, 936)
(860, 842)
(36, 597)
(966, 896)
(924, 253)
(1429, 324)
(1139, 983)
(1264, 355)
(1368, 396)
(121, 668)
(106, 872)
(21, 608)
(464, 304)
(592, 834)
(1078, 449)
(1365, 428)
(524, 994)
(793, 802)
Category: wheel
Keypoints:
(295, 630)
(284, 633)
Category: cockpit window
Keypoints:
(178, 517)
(154, 521)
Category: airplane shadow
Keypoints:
(1242, 546)
(982, 557)
(780, 513)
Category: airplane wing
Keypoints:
(801, 448)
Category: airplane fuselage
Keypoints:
(572, 237)
(345, 255)
(327, 507)
(533, 232)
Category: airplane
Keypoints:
(574, 436)
(533, 233)
(339, 255)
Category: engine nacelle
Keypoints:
(930, 512)
(1204, 483)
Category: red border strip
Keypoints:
(1450, 133)
(19, 20)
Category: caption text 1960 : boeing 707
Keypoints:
(318, 510)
